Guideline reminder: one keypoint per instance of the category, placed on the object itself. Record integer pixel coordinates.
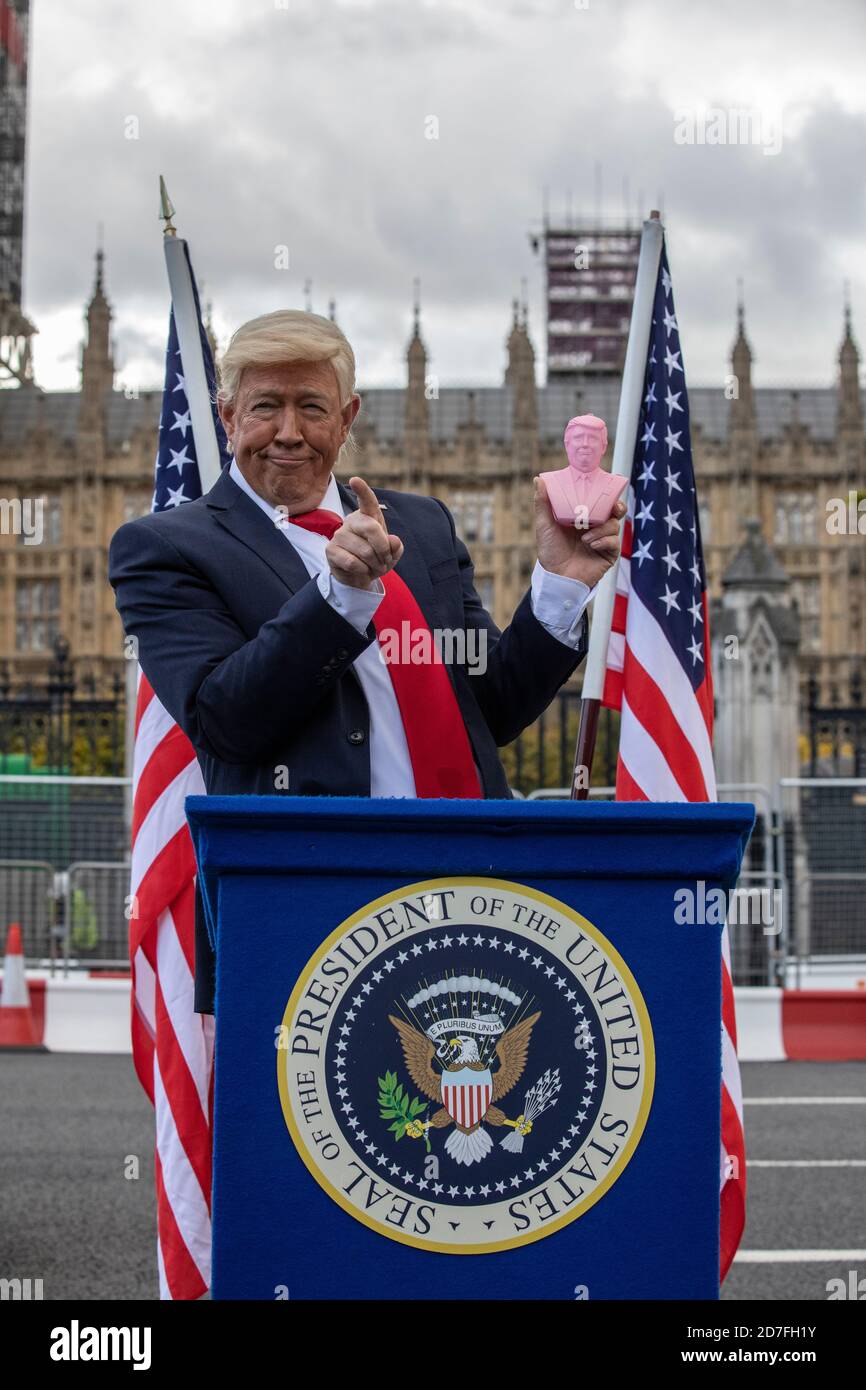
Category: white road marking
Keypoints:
(806, 1162)
(792, 1257)
(804, 1100)
(802, 1256)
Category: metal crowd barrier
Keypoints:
(798, 919)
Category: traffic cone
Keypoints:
(16, 1021)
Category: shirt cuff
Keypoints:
(559, 604)
(357, 606)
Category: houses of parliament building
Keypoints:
(774, 454)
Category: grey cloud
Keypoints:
(305, 128)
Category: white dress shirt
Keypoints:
(557, 602)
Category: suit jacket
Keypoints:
(256, 667)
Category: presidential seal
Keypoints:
(465, 1065)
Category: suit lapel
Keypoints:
(231, 508)
(412, 568)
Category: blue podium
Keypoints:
(466, 1050)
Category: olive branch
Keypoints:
(404, 1114)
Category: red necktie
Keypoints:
(438, 742)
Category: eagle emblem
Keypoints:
(466, 1061)
(466, 1066)
(456, 1068)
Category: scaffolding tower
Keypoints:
(16, 330)
(590, 267)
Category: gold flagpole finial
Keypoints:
(166, 209)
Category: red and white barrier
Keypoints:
(80, 1012)
(87, 1015)
(801, 1025)
(17, 1028)
(759, 1025)
(90, 1013)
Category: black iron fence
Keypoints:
(543, 755)
(60, 729)
(837, 731)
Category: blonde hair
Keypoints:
(287, 335)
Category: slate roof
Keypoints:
(754, 563)
(784, 622)
(776, 408)
(24, 409)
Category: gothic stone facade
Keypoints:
(775, 454)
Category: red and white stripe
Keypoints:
(666, 754)
(12, 40)
(172, 1045)
(467, 1104)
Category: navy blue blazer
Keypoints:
(256, 667)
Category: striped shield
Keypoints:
(466, 1095)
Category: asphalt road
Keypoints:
(801, 1208)
(69, 1125)
(75, 1131)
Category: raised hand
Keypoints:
(362, 550)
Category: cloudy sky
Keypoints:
(305, 124)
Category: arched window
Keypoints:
(809, 518)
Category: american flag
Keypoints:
(13, 35)
(172, 1045)
(658, 667)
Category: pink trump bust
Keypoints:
(583, 494)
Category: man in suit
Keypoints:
(261, 610)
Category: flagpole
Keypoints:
(630, 398)
(186, 322)
(201, 418)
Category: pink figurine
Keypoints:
(583, 494)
